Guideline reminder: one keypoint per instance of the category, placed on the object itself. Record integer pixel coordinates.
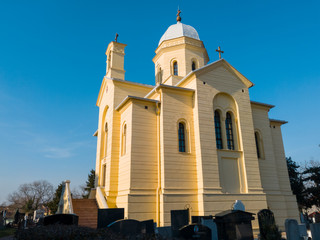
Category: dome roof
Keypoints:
(179, 30)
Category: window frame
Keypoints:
(229, 131)
(218, 129)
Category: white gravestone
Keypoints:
(238, 205)
(292, 229)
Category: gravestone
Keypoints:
(198, 219)
(303, 231)
(126, 227)
(238, 205)
(164, 232)
(234, 224)
(1, 222)
(213, 227)
(292, 229)
(315, 230)
(179, 218)
(147, 227)
(195, 231)
(109, 215)
(37, 214)
(267, 225)
(63, 219)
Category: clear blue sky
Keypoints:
(52, 61)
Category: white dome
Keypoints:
(179, 30)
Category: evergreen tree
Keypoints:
(89, 183)
(53, 205)
(312, 177)
(297, 183)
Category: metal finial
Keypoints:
(178, 16)
(116, 38)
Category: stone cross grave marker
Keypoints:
(292, 229)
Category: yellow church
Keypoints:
(193, 140)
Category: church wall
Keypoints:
(144, 163)
(179, 169)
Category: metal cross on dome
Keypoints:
(219, 51)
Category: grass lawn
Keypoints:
(7, 232)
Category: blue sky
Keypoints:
(52, 61)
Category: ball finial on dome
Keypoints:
(178, 16)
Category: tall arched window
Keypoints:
(182, 137)
(175, 68)
(106, 139)
(124, 140)
(257, 138)
(217, 125)
(229, 131)
(193, 65)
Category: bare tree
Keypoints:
(31, 196)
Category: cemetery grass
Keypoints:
(7, 232)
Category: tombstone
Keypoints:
(179, 218)
(267, 225)
(37, 214)
(109, 215)
(1, 223)
(195, 231)
(164, 232)
(126, 227)
(315, 230)
(292, 229)
(213, 227)
(147, 227)
(17, 217)
(234, 224)
(198, 219)
(303, 231)
(63, 219)
(238, 205)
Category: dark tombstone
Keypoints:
(234, 224)
(109, 215)
(179, 218)
(147, 227)
(63, 219)
(317, 217)
(195, 231)
(164, 232)
(198, 219)
(267, 225)
(16, 217)
(126, 227)
(315, 230)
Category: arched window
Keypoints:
(106, 139)
(217, 125)
(229, 131)
(175, 68)
(193, 65)
(124, 140)
(159, 76)
(256, 135)
(182, 137)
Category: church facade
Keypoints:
(193, 140)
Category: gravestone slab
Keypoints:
(198, 219)
(195, 231)
(315, 230)
(267, 225)
(179, 218)
(303, 230)
(213, 227)
(292, 229)
(147, 226)
(108, 216)
(126, 227)
(1, 223)
(64, 219)
(234, 224)
(164, 232)
(317, 217)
